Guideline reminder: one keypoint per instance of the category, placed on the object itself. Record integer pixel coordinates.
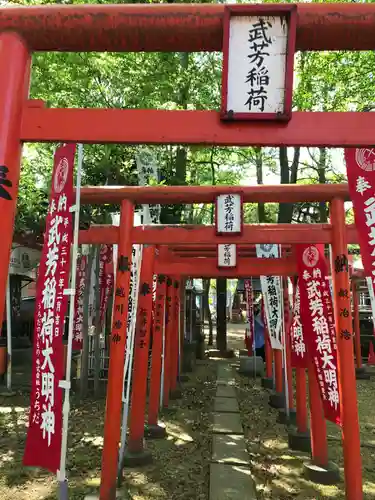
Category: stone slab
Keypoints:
(226, 405)
(224, 371)
(231, 482)
(225, 381)
(120, 495)
(227, 423)
(229, 449)
(252, 366)
(226, 391)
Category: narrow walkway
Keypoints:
(230, 477)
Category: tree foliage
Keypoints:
(324, 81)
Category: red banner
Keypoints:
(360, 168)
(43, 444)
(297, 341)
(318, 324)
(78, 303)
(106, 277)
(249, 334)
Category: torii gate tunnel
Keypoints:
(183, 28)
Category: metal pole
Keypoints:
(65, 384)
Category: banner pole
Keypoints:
(65, 384)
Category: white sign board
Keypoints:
(256, 66)
(229, 213)
(272, 296)
(227, 255)
(148, 173)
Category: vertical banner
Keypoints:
(78, 303)
(43, 443)
(92, 297)
(148, 173)
(272, 296)
(132, 318)
(297, 341)
(250, 314)
(319, 325)
(360, 169)
(105, 277)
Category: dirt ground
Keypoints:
(180, 470)
(278, 471)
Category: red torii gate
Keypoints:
(170, 237)
(183, 28)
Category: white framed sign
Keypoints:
(258, 57)
(227, 255)
(228, 214)
(272, 296)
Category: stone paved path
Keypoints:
(230, 476)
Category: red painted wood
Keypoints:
(205, 235)
(127, 126)
(157, 351)
(251, 234)
(291, 193)
(318, 426)
(174, 362)
(169, 325)
(346, 370)
(181, 28)
(301, 397)
(200, 268)
(15, 71)
(142, 340)
(112, 422)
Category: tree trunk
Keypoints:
(172, 214)
(322, 180)
(287, 177)
(221, 314)
(259, 172)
